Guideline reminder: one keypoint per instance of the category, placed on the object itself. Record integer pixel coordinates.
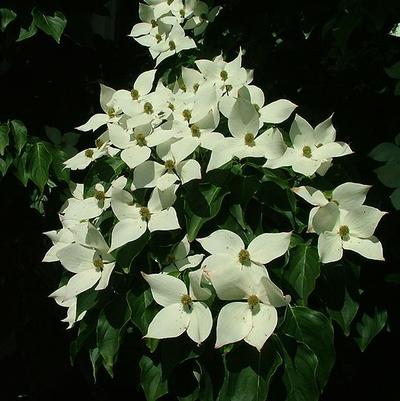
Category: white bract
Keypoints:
(312, 150)
(340, 229)
(346, 196)
(229, 255)
(255, 319)
(183, 310)
(180, 258)
(134, 220)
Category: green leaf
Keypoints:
(20, 135)
(369, 327)
(38, 163)
(395, 198)
(248, 373)
(315, 330)
(140, 302)
(5, 163)
(389, 174)
(27, 33)
(126, 254)
(52, 26)
(202, 207)
(394, 70)
(384, 152)
(300, 374)
(302, 270)
(151, 379)
(340, 291)
(20, 163)
(108, 340)
(4, 137)
(397, 89)
(58, 167)
(87, 300)
(6, 16)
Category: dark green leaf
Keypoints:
(300, 374)
(151, 379)
(339, 289)
(20, 134)
(21, 170)
(394, 70)
(389, 174)
(395, 198)
(369, 327)
(128, 252)
(6, 16)
(203, 207)
(5, 163)
(38, 163)
(248, 373)
(52, 26)
(384, 152)
(27, 33)
(86, 300)
(315, 330)
(57, 166)
(302, 270)
(4, 137)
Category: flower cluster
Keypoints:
(164, 23)
(168, 134)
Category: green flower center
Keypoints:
(307, 152)
(145, 213)
(148, 108)
(228, 88)
(169, 165)
(135, 94)
(344, 231)
(111, 112)
(153, 23)
(186, 301)
(224, 75)
(98, 264)
(171, 106)
(195, 87)
(158, 38)
(187, 114)
(182, 87)
(249, 140)
(89, 153)
(244, 257)
(140, 139)
(182, 12)
(100, 195)
(253, 301)
(99, 143)
(195, 131)
(172, 45)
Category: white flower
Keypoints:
(312, 149)
(254, 320)
(182, 311)
(148, 24)
(151, 174)
(173, 43)
(347, 196)
(339, 229)
(60, 239)
(244, 126)
(107, 103)
(82, 159)
(91, 264)
(180, 258)
(134, 220)
(70, 303)
(229, 255)
(202, 16)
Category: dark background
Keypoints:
(326, 56)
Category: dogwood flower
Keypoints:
(183, 310)
(340, 229)
(111, 112)
(229, 252)
(180, 258)
(152, 174)
(70, 304)
(244, 126)
(134, 220)
(347, 196)
(202, 16)
(90, 264)
(60, 239)
(312, 150)
(255, 319)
